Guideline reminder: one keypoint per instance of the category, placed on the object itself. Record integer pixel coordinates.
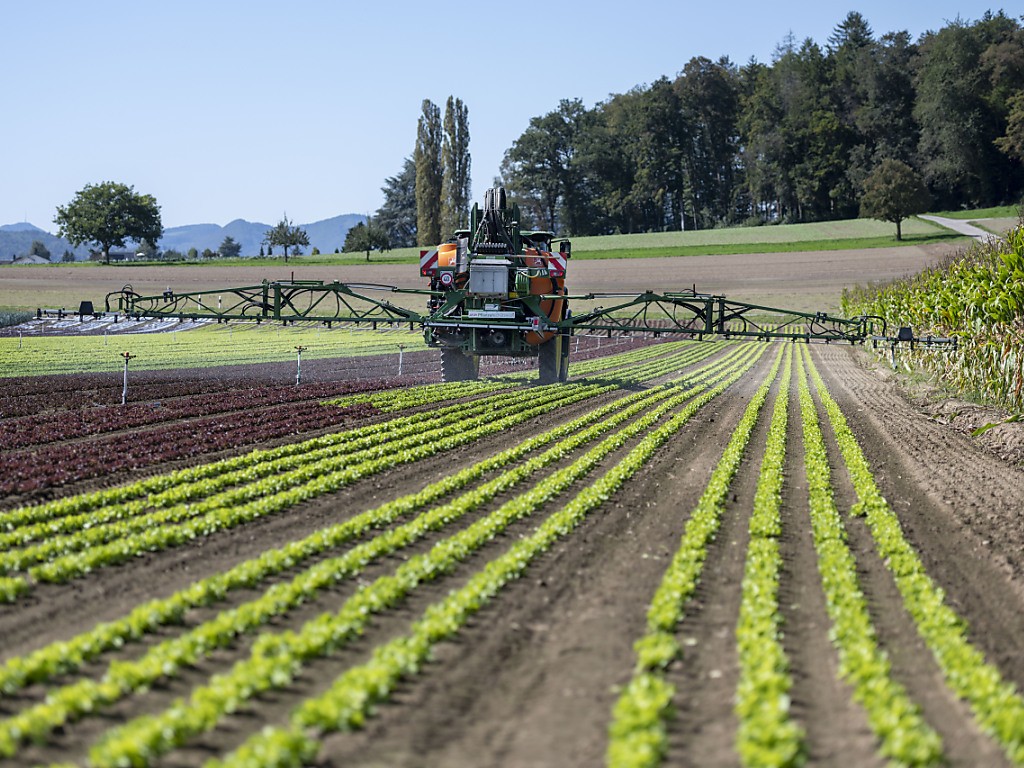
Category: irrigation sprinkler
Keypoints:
(298, 364)
(401, 349)
(124, 392)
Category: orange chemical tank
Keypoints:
(539, 286)
(446, 253)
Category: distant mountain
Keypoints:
(22, 226)
(325, 235)
(16, 239)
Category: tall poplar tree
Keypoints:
(455, 162)
(427, 158)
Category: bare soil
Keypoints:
(532, 679)
(806, 281)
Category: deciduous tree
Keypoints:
(368, 236)
(455, 165)
(893, 192)
(288, 236)
(109, 214)
(541, 171)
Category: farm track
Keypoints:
(531, 679)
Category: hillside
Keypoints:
(328, 234)
(16, 239)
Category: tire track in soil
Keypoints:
(837, 731)
(960, 507)
(530, 682)
(913, 665)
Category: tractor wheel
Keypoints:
(456, 366)
(554, 360)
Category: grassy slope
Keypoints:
(999, 212)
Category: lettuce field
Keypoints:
(692, 553)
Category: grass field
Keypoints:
(998, 212)
(818, 236)
(195, 347)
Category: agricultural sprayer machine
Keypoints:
(497, 289)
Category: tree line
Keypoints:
(802, 138)
(790, 141)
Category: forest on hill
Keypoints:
(793, 140)
(788, 141)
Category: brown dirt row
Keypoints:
(531, 680)
(80, 735)
(912, 663)
(808, 281)
(960, 506)
(110, 592)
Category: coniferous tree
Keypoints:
(39, 249)
(397, 216)
(229, 248)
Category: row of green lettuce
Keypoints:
(977, 298)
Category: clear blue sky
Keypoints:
(225, 110)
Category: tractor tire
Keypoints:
(563, 360)
(554, 363)
(456, 366)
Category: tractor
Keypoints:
(498, 290)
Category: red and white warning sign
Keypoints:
(428, 262)
(556, 263)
